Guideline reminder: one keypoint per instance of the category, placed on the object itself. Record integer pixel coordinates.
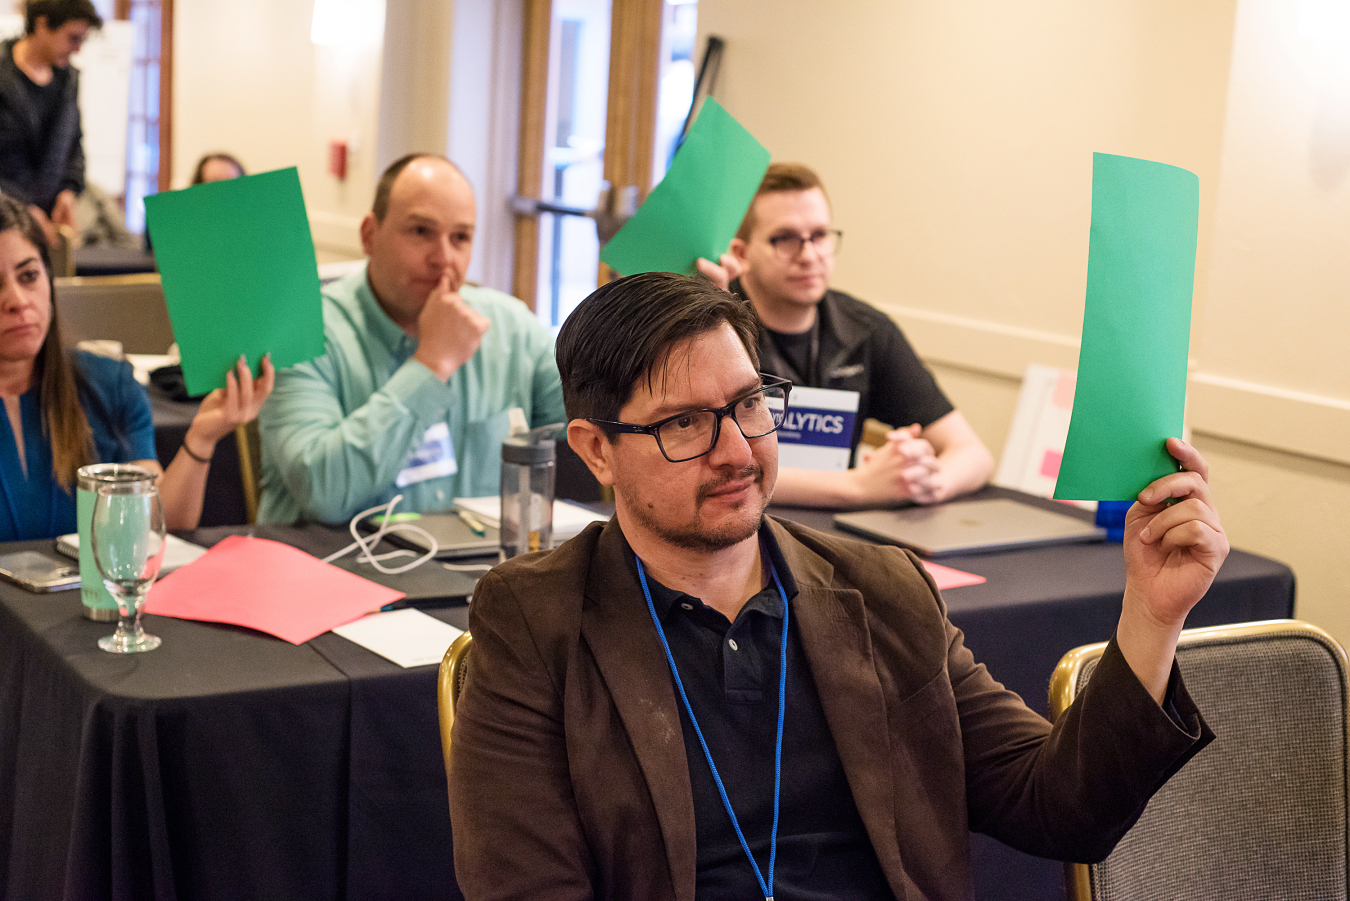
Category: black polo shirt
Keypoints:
(730, 672)
(853, 346)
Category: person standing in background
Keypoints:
(41, 152)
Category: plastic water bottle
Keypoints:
(528, 471)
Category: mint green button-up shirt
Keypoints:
(337, 430)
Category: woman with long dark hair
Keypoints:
(68, 409)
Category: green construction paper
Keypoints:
(697, 208)
(237, 263)
(1131, 392)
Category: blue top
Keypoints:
(34, 505)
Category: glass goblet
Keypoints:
(128, 542)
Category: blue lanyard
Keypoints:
(767, 888)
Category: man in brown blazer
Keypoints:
(697, 701)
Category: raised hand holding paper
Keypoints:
(695, 210)
(1131, 392)
(237, 263)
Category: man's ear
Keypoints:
(368, 224)
(591, 444)
(738, 249)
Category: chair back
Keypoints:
(62, 251)
(247, 440)
(454, 670)
(125, 308)
(1261, 812)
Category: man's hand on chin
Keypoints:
(449, 331)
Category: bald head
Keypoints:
(384, 188)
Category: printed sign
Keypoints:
(818, 430)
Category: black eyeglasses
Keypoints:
(689, 435)
(825, 240)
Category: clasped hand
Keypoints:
(905, 467)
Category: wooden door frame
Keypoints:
(530, 153)
(122, 12)
(630, 117)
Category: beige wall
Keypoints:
(248, 80)
(956, 140)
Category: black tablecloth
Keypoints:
(229, 764)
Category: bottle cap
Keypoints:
(520, 449)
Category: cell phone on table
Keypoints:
(38, 572)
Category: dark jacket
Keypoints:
(569, 777)
(32, 170)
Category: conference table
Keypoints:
(230, 764)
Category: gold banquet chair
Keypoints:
(454, 670)
(129, 309)
(1261, 812)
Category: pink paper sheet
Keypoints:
(946, 577)
(268, 586)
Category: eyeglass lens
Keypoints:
(789, 245)
(695, 434)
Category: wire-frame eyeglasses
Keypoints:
(825, 240)
(693, 433)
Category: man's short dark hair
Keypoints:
(625, 330)
(59, 12)
(385, 186)
(780, 177)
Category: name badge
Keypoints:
(818, 430)
(435, 458)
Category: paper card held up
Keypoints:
(268, 586)
(237, 263)
(695, 210)
(1131, 390)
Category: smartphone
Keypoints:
(38, 572)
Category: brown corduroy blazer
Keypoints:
(568, 770)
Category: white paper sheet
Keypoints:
(568, 519)
(408, 637)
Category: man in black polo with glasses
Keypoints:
(697, 701)
(823, 338)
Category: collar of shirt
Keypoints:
(768, 601)
(378, 324)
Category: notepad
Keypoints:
(568, 518)
(177, 552)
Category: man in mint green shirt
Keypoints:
(413, 394)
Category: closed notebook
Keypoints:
(969, 527)
(177, 552)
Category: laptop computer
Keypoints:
(454, 538)
(969, 527)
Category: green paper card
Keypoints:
(695, 210)
(1131, 392)
(237, 262)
